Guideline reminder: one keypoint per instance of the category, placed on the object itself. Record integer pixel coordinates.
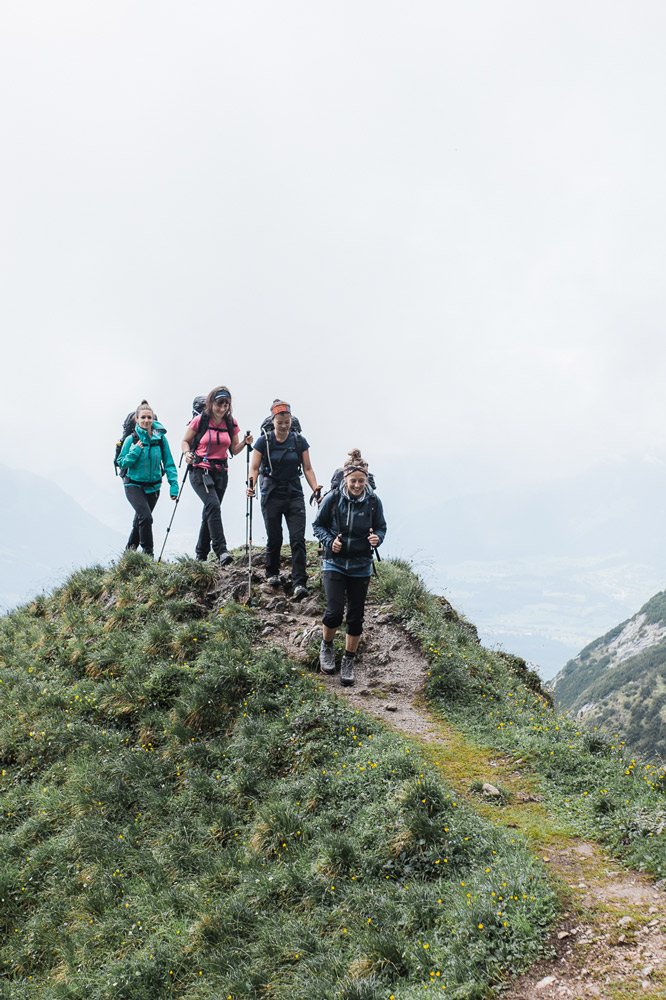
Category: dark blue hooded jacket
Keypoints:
(340, 513)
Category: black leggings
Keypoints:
(142, 526)
(210, 486)
(337, 586)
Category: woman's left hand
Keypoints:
(373, 539)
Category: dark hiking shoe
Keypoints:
(347, 671)
(300, 592)
(273, 581)
(327, 657)
(226, 558)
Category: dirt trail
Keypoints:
(612, 940)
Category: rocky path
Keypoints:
(611, 942)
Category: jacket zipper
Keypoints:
(350, 521)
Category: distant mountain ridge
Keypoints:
(45, 534)
(618, 682)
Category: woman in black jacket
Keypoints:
(280, 455)
(350, 524)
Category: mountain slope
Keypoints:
(50, 535)
(187, 811)
(618, 682)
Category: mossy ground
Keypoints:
(186, 813)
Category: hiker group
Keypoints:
(350, 522)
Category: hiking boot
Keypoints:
(226, 558)
(347, 671)
(273, 581)
(300, 592)
(327, 657)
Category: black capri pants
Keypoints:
(337, 587)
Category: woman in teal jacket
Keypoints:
(144, 458)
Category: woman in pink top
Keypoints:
(207, 442)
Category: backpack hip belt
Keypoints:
(218, 463)
(130, 482)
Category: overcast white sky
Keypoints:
(436, 227)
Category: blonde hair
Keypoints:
(355, 463)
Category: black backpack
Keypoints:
(198, 404)
(129, 427)
(267, 429)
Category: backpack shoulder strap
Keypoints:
(298, 441)
(201, 430)
(335, 490)
(266, 468)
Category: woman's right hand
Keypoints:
(337, 544)
(189, 457)
(249, 492)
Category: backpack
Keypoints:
(129, 427)
(198, 404)
(268, 431)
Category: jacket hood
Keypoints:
(367, 491)
(158, 431)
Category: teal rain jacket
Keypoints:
(145, 466)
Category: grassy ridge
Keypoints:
(593, 782)
(186, 813)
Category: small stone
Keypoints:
(548, 981)
(488, 789)
(625, 922)
(622, 938)
(562, 935)
(390, 707)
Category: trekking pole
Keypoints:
(173, 515)
(375, 552)
(249, 559)
(247, 503)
